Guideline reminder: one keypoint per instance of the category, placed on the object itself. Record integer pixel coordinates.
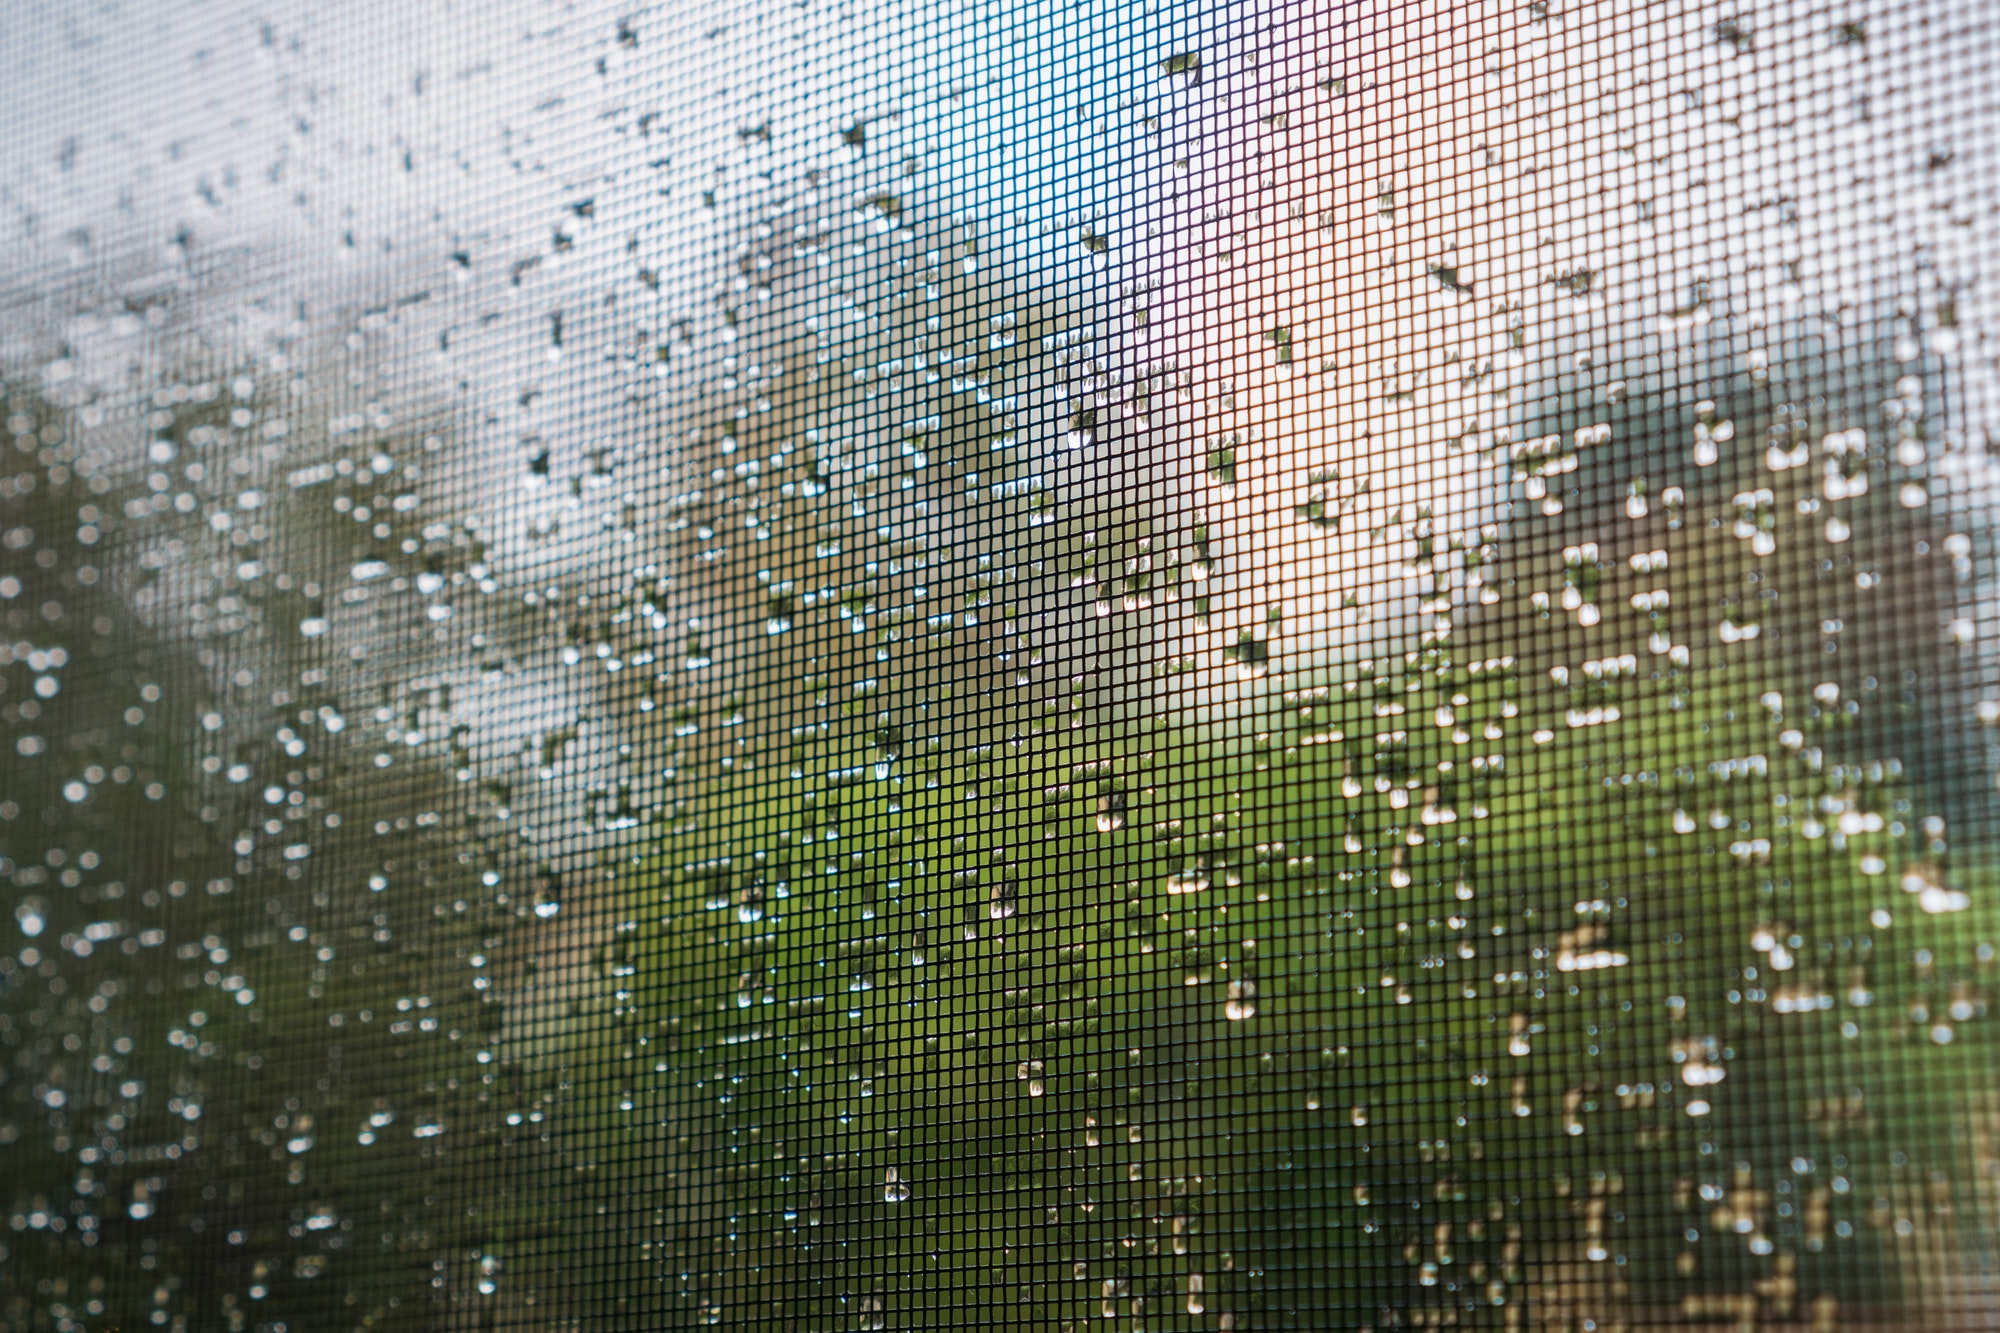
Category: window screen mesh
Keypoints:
(1051, 666)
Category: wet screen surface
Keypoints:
(874, 666)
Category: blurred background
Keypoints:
(1138, 666)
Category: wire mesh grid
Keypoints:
(1110, 665)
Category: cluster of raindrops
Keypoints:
(781, 728)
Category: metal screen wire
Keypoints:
(1005, 664)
